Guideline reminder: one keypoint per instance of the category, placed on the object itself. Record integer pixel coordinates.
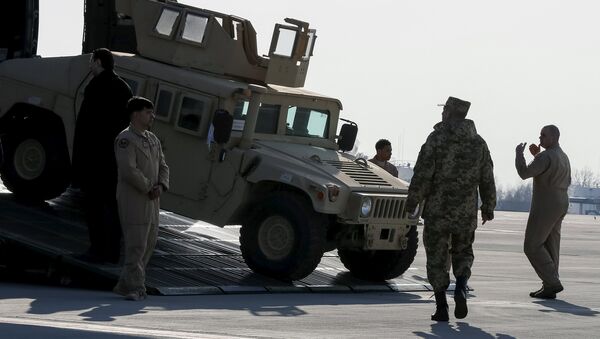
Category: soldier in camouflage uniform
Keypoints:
(452, 165)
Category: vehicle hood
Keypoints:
(323, 166)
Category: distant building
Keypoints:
(584, 200)
(405, 170)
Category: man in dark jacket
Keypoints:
(453, 164)
(101, 118)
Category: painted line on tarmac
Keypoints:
(112, 329)
(496, 230)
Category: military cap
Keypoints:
(457, 107)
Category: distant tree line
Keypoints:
(515, 198)
(518, 198)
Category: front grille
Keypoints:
(388, 208)
(358, 173)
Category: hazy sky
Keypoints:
(522, 64)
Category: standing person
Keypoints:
(453, 164)
(383, 147)
(551, 173)
(101, 117)
(143, 176)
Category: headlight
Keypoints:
(365, 207)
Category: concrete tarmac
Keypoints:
(499, 305)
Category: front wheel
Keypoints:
(284, 238)
(378, 265)
(36, 164)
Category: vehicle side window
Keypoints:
(240, 113)
(194, 28)
(132, 84)
(166, 22)
(190, 114)
(306, 122)
(241, 110)
(268, 118)
(164, 102)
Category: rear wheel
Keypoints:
(377, 265)
(36, 164)
(284, 238)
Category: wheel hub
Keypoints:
(276, 237)
(30, 159)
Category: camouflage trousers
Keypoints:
(446, 246)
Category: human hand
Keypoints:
(411, 211)
(520, 147)
(155, 192)
(534, 149)
(485, 218)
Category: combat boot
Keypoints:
(441, 307)
(534, 293)
(460, 298)
(547, 292)
(136, 296)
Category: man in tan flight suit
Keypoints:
(143, 176)
(551, 174)
(383, 147)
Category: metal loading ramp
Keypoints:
(191, 257)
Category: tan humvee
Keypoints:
(278, 169)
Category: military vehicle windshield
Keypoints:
(307, 122)
(299, 121)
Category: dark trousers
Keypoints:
(104, 228)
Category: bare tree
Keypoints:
(514, 198)
(585, 178)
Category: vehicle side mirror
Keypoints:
(347, 136)
(222, 123)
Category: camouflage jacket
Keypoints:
(452, 165)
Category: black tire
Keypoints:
(284, 238)
(36, 164)
(380, 265)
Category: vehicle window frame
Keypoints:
(279, 116)
(327, 126)
(240, 124)
(209, 104)
(141, 82)
(175, 95)
(310, 46)
(181, 28)
(176, 24)
(275, 40)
